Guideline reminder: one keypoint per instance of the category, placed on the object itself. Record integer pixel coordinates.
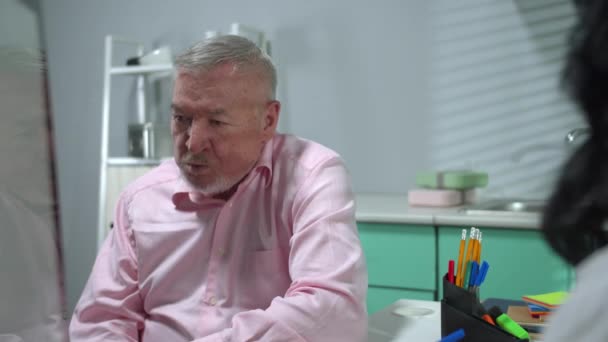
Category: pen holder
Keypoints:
(459, 297)
(458, 308)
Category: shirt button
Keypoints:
(212, 301)
(221, 252)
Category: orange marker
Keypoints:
(488, 319)
(460, 271)
(481, 312)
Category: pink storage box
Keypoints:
(439, 197)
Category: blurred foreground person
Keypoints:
(574, 221)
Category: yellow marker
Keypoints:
(469, 254)
(460, 272)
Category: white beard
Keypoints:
(217, 187)
(222, 184)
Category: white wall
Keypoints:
(494, 83)
(385, 83)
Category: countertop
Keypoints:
(391, 208)
(406, 320)
(412, 320)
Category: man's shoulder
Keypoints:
(305, 153)
(158, 178)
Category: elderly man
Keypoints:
(247, 235)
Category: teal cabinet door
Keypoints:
(379, 298)
(521, 263)
(399, 256)
(401, 262)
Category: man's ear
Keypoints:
(270, 119)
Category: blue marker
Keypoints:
(474, 272)
(481, 275)
(454, 337)
(483, 270)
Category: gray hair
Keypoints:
(213, 51)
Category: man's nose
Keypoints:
(198, 137)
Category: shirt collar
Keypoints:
(187, 198)
(264, 164)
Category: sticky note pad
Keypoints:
(520, 315)
(534, 307)
(548, 300)
(537, 310)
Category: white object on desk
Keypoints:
(406, 320)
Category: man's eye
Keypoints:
(215, 123)
(180, 119)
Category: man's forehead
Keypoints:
(192, 90)
(200, 86)
(222, 84)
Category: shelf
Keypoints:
(140, 70)
(130, 161)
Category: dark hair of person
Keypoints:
(573, 221)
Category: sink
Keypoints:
(506, 206)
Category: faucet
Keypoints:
(575, 133)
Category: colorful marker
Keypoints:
(507, 324)
(454, 337)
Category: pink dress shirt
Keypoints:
(280, 260)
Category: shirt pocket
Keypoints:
(266, 277)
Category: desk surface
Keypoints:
(386, 325)
(389, 326)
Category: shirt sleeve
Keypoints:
(326, 299)
(110, 308)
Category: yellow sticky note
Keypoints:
(551, 299)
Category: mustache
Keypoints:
(194, 159)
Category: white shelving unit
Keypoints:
(140, 70)
(115, 173)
